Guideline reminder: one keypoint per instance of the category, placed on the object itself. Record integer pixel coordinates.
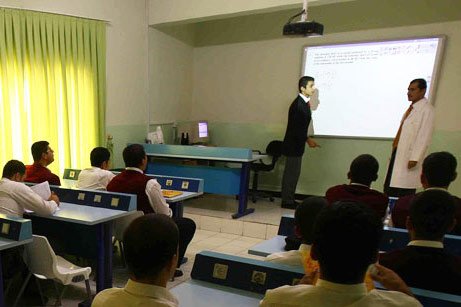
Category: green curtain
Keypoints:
(52, 86)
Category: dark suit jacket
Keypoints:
(299, 117)
(402, 209)
(375, 200)
(426, 268)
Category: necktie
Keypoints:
(397, 137)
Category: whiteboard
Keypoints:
(363, 86)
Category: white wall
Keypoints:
(127, 48)
(170, 78)
(166, 11)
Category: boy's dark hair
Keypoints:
(12, 167)
(432, 213)
(150, 242)
(99, 155)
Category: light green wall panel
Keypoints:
(122, 135)
(326, 166)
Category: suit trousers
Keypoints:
(290, 179)
(186, 228)
(393, 191)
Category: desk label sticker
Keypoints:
(114, 202)
(5, 228)
(258, 277)
(169, 182)
(220, 271)
(71, 174)
(97, 199)
(81, 196)
(185, 185)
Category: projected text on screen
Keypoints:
(363, 86)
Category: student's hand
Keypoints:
(309, 278)
(54, 197)
(312, 143)
(389, 279)
(412, 164)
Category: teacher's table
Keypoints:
(217, 179)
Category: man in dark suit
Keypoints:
(424, 263)
(439, 170)
(362, 172)
(299, 117)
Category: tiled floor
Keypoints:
(216, 231)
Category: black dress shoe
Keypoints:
(178, 273)
(292, 205)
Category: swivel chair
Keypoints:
(274, 150)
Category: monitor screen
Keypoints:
(202, 129)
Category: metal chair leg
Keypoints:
(21, 291)
(40, 291)
(88, 289)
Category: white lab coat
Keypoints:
(413, 143)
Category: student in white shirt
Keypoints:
(305, 216)
(97, 177)
(346, 242)
(16, 197)
(151, 254)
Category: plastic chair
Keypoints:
(119, 229)
(273, 149)
(43, 263)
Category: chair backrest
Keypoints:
(40, 257)
(274, 149)
(122, 223)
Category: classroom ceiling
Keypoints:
(336, 17)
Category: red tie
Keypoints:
(397, 137)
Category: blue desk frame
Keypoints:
(218, 180)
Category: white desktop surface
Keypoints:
(183, 196)
(265, 248)
(86, 215)
(195, 293)
(7, 243)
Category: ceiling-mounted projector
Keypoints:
(306, 28)
(303, 27)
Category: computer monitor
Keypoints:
(197, 130)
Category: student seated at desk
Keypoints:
(15, 196)
(439, 170)
(363, 171)
(149, 194)
(345, 243)
(305, 216)
(424, 263)
(151, 254)
(38, 172)
(96, 177)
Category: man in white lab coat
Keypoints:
(411, 142)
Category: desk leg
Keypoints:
(243, 192)
(104, 258)
(2, 298)
(108, 255)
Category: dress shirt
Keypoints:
(305, 98)
(293, 257)
(154, 193)
(94, 178)
(326, 293)
(15, 197)
(135, 294)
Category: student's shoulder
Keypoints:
(392, 298)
